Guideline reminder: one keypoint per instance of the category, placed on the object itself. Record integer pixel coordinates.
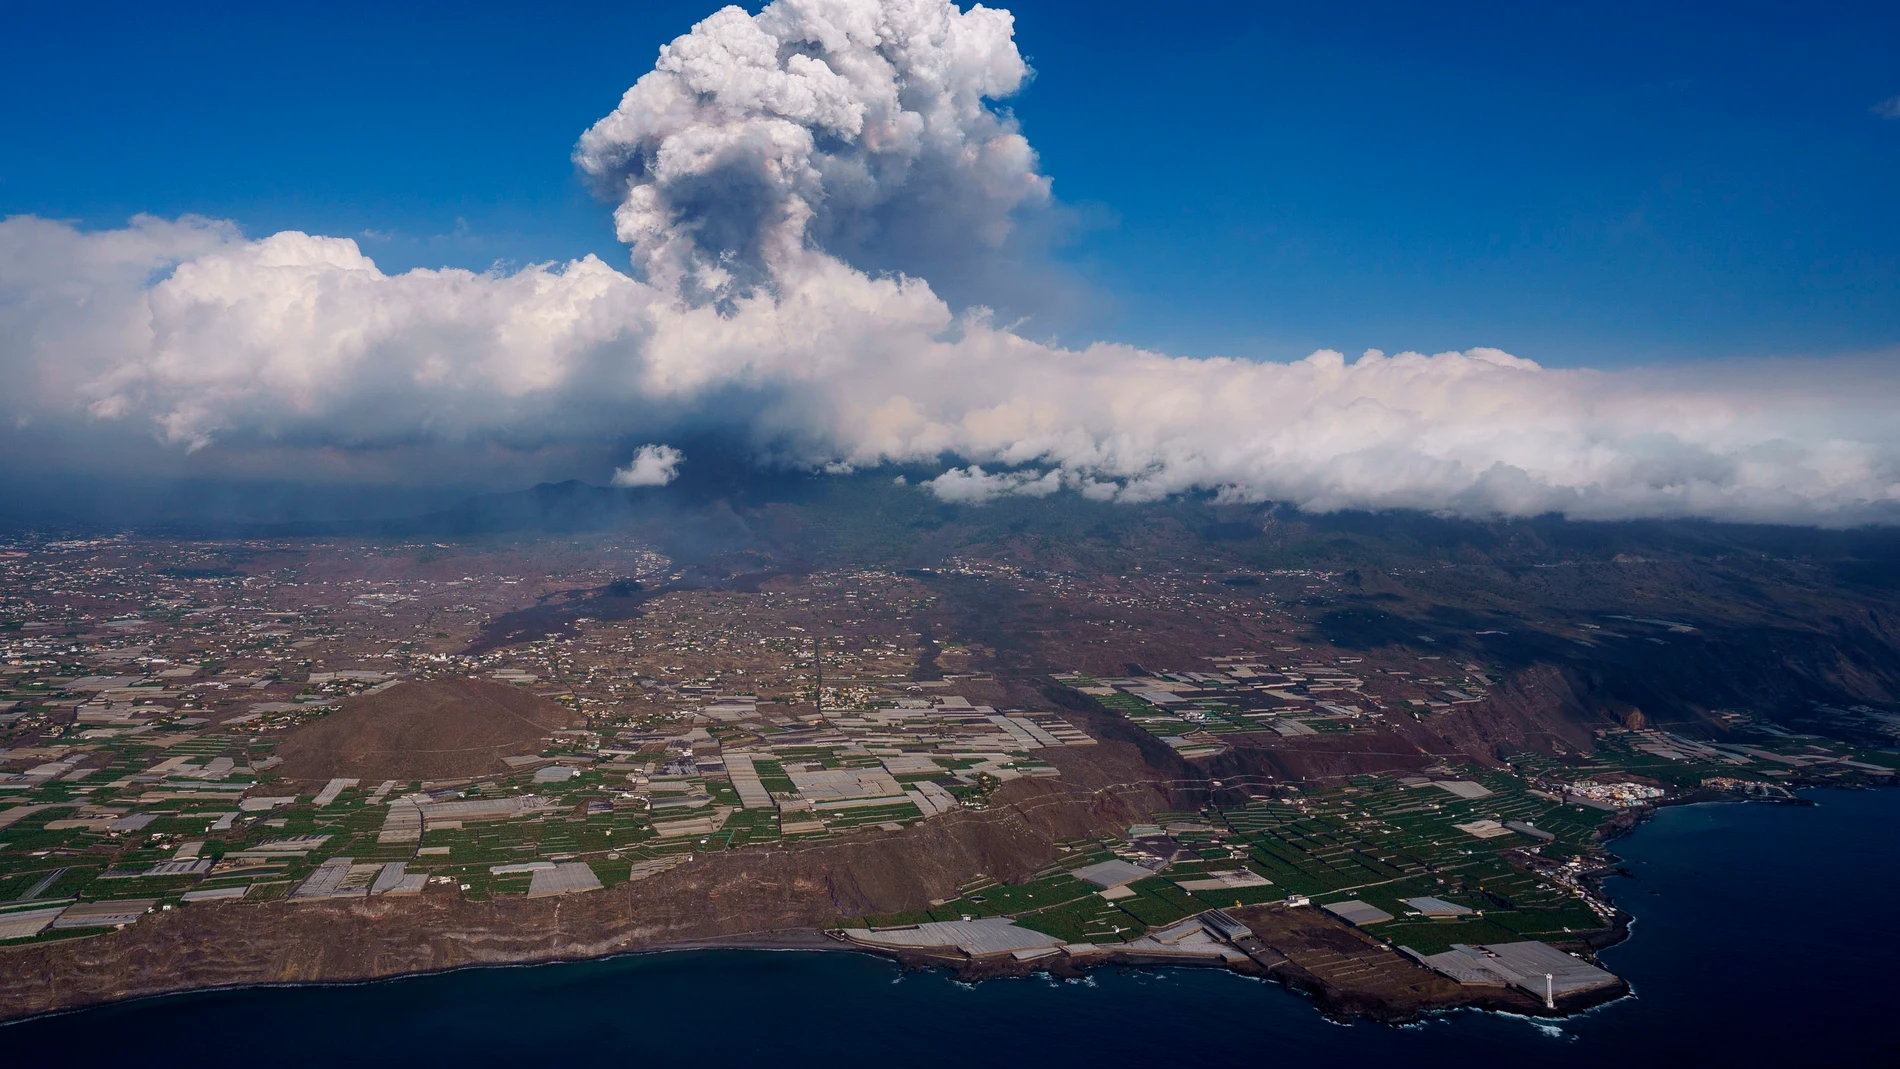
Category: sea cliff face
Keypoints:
(760, 898)
(757, 897)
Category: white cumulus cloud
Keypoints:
(653, 465)
(974, 486)
(757, 172)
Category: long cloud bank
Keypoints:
(754, 172)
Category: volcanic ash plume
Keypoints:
(837, 126)
(786, 183)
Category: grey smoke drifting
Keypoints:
(817, 128)
(763, 175)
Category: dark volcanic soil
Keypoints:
(427, 729)
(557, 614)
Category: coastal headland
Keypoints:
(235, 764)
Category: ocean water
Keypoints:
(1764, 933)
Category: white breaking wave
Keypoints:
(755, 171)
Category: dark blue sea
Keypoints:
(1764, 933)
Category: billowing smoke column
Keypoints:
(767, 174)
(818, 125)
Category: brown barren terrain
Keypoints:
(424, 730)
(762, 897)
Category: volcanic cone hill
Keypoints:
(425, 729)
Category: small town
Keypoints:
(178, 737)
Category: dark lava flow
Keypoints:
(558, 613)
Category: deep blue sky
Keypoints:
(1601, 183)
